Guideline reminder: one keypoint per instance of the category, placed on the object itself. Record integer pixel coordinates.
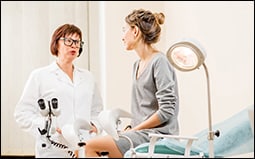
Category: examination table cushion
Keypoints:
(236, 137)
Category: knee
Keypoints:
(90, 146)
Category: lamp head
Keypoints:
(186, 55)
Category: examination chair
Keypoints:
(236, 136)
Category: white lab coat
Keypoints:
(77, 99)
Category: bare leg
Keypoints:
(100, 144)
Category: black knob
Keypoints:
(81, 144)
(217, 133)
(43, 145)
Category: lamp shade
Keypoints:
(186, 55)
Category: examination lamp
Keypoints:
(187, 55)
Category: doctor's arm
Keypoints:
(26, 113)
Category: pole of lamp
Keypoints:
(210, 132)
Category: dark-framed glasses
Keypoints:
(70, 42)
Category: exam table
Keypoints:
(236, 138)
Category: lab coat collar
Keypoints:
(77, 77)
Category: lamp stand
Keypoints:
(210, 132)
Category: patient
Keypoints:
(236, 137)
(155, 100)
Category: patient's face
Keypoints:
(128, 37)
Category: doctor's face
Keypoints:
(68, 47)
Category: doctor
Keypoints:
(74, 88)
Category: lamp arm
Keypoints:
(209, 97)
(210, 132)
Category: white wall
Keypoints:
(225, 29)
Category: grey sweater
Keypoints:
(156, 90)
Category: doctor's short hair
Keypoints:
(62, 31)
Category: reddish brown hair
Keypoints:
(62, 31)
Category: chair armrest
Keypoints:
(154, 138)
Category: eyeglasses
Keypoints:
(69, 42)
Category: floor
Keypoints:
(5, 156)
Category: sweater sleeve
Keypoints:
(167, 91)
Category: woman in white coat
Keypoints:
(70, 89)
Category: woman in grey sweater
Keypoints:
(155, 100)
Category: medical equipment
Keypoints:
(237, 137)
(78, 132)
(110, 122)
(76, 135)
(187, 55)
(49, 112)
